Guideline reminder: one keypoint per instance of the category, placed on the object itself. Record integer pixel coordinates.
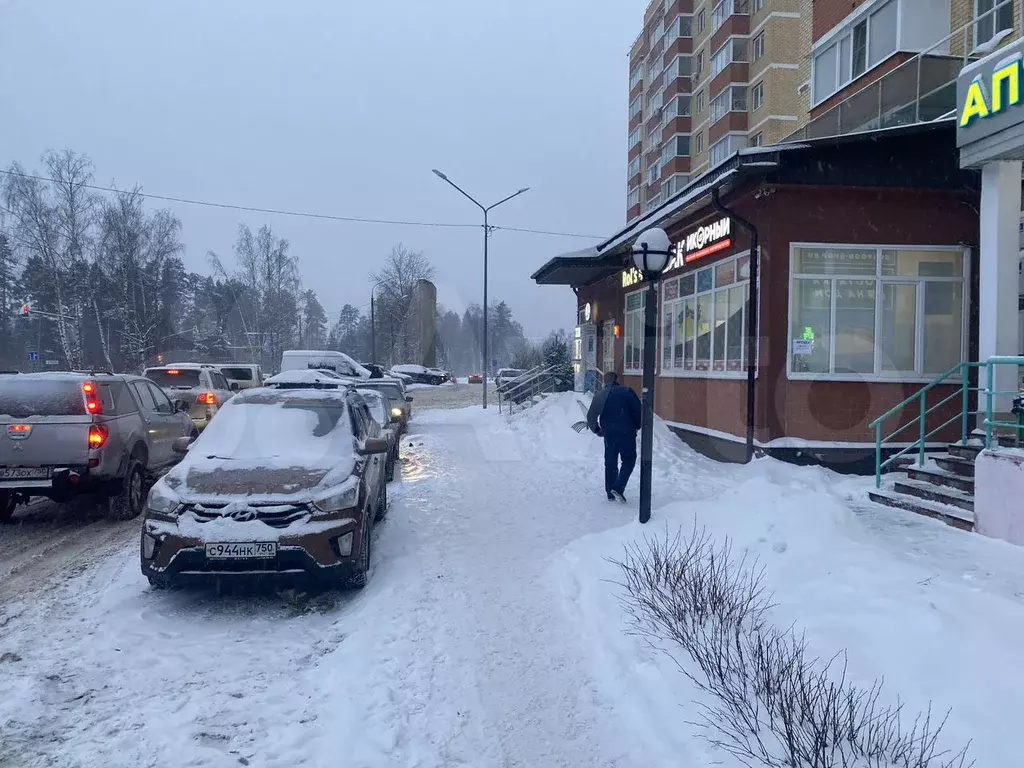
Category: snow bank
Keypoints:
(932, 636)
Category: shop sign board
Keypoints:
(990, 114)
(701, 242)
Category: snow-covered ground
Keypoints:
(490, 634)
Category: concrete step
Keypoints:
(954, 516)
(969, 451)
(957, 465)
(942, 477)
(938, 494)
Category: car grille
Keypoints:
(274, 515)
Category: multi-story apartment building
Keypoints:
(706, 78)
(709, 77)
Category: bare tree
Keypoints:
(54, 221)
(398, 279)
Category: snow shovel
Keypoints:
(579, 426)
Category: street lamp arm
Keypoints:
(505, 200)
(460, 189)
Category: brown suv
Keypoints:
(284, 485)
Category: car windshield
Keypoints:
(24, 396)
(296, 427)
(390, 391)
(238, 374)
(174, 378)
(511, 373)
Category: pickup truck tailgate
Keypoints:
(47, 441)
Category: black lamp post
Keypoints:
(650, 255)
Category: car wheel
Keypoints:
(358, 579)
(382, 505)
(7, 505)
(127, 505)
(157, 583)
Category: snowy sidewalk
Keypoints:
(488, 635)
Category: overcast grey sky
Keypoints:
(342, 107)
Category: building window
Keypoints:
(699, 99)
(724, 9)
(733, 98)
(758, 5)
(756, 96)
(757, 47)
(674, 184)
(634, 137)
(991, 16)
(698, 66)
(635, 77)
(721, 150)
(703, 319)
(734, 50)
(634, 107)
(633, 198)
(757, 140)
(653, 173)
(875, 312)
(854, 51)
(700, 21)
(700, 141)
(634, 168)
(633, 332)
(677, 146)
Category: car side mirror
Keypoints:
(181, 444)
(180, 406)
(408, 398)
(374, 445)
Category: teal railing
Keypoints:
(958, 376)
(992, 394)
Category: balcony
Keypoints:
(920, 89)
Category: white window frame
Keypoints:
(757, 140)
(635, 137)
(725, 102)
(915, 376)
(844, 36)
(714, 291)
(729, 140)
(700, 141)
(757, 96)
(757, 47)
(635, 107)
(633, 197)
(629, 317)
(636, 76)
(993, 16)
(726, 55)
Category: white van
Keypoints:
(242, 375)
(324, 360)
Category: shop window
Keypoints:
(882, 312)
(633, 331)
(704, 315)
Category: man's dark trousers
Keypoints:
(618, 446)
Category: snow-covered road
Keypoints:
(486, 636)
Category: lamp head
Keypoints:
(440, 175)
(651, 251)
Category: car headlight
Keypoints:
(162, 500)
(396, 412)
(336, 500)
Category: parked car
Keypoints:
(506, 376)
(95, 438)
(200, 386)
(308, 379)
(399, 400)
(476, 378)
(320, 359)
(421, 374)
(376, 371)
(390, 426)
(242, 375)
(285, 486)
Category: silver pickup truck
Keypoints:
(90, 436)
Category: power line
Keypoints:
(302, 214)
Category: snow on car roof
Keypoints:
(409, 367)
(307, 376)
(270, 395)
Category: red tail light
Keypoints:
(92, 402)
(97, 436)
(207, 398)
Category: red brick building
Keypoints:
(866, 292)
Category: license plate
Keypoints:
(257, 550)
(24, 473)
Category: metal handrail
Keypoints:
(992, 393)
(921, 420)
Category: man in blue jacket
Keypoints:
(614, 414)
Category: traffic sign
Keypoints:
(33, 355)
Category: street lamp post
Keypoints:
(650, 255)
(487, 232)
